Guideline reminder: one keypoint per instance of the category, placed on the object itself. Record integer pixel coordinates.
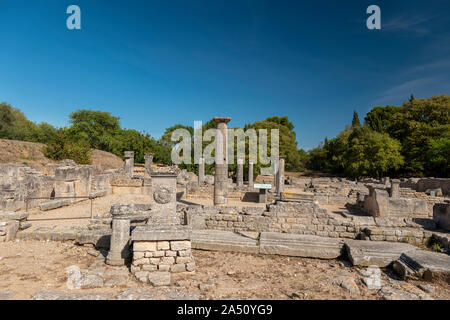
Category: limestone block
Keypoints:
(300, 245)
(178, 267)
(379, 253)
(222, 241)
(180, 245)
(441, 215)
(159, 278)
(144, 246)
(425, 265)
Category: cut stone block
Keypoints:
(298, 245)
(223, 241)
(425, 265)
(99, 238)
(378, 253)
(441, 215)
(54, 204)
(159, 278)
(147, 233)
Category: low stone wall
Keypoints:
(287, 217)
(421, 185)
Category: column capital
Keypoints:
(221, 119)
(128, 154)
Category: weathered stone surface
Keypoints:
(148, 233)
(403, 291)
(7, 294)
(379, 253)
(300, 245)
(348, 283)
(54, 204)
(54, 295)
(371, 277)
(223, 241)
(156, 294)
(99, 238)
(159, 278)
(441, 215)
(425, 265)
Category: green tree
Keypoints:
(355, 120)
(371, 153)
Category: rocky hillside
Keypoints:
(31, 154)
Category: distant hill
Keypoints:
(31, 154)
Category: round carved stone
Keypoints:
(162, 195)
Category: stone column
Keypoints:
(281, 174)
(148, 163)
(395, 188)
(221, 166)
(129, 163)
(250, 174)
(119, 251)
(201, 171)
(240, 172)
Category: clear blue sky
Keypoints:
(158, 63)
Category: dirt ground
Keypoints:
(28, 267)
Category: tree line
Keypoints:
(408, 140)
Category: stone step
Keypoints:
(223, 241)
(425, 265)
(379, 253)
(297, 245)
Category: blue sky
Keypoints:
(158, 63)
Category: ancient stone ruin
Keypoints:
(373, 224)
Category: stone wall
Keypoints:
(289, 217)
(422, 185)
(18, 183)
(150, 258)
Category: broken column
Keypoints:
(129, 163)
(119, 251)
(240, 172)
(395, 188)
(148, 163)
(201, 171)
(221, 166)
(250, 173)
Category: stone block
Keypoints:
(179, 267)
(379, 253)
(180, 245)
(300, 245)
(223, 241)
(159, 278)
(426, 265)
(441, 215)
(144, 246)
(163, 245)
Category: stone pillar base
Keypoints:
(151, 259)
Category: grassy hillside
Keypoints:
(31, 154)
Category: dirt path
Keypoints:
(29, 267)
